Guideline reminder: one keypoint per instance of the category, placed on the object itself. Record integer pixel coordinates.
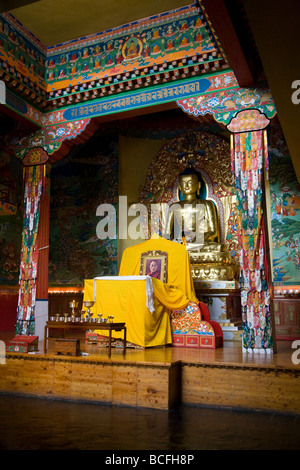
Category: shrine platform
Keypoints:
(159, 378)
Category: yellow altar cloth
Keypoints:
(128, 299)
(179, 268)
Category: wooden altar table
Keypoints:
(87, 326)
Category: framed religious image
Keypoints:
(155, 264)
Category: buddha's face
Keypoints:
(189, 184)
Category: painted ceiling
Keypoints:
(273, 23)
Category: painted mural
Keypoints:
(22, 50)
(11, 218)
(175, 35)
(285, 210)
(145, 43)
(80, 182)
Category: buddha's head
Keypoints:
(189, 183)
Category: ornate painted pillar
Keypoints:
(34, 184)
(41, 303)
(249, 153)
(34, 151)
(43, 239)
(246, 114)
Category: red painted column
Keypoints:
(43, 241)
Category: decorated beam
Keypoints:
(226, 104)
(188, 93)
(47, 140)
(160, 94)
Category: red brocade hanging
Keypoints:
(248, 156)
(34, 182)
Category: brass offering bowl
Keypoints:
(88, 304)
(73, 305)
(66, 317)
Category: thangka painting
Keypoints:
(285, 210)
(80, 182)
(11, 218)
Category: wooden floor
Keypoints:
(231, 354)
(160, 377)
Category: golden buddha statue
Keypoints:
(194, 222)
